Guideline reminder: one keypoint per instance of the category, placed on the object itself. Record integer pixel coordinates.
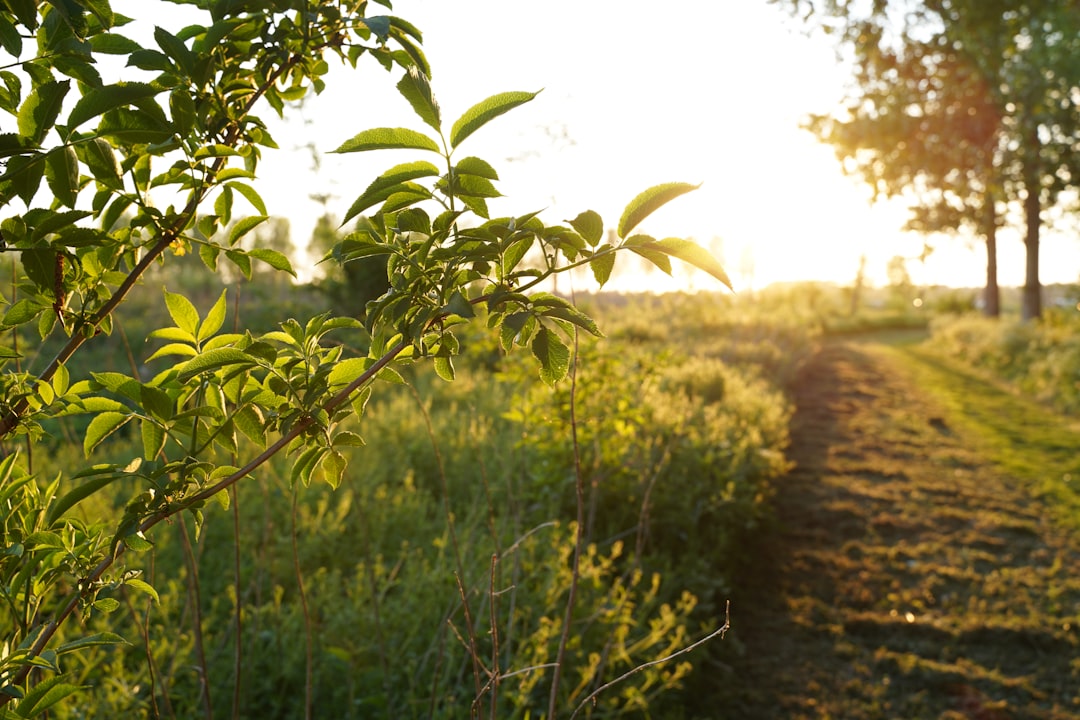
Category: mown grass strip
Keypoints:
(1025, 439)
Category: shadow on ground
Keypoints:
(907, 577)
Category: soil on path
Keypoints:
(907, 578)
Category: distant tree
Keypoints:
(900, 285)
(351, 285)
(963, 105)
(857, 286)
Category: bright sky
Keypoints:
(637, 94)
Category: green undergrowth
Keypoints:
(1040, 359)
(445, 555)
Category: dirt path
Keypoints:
(908, 578)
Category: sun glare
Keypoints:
(709, 93)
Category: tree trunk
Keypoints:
(1031, 308)
(992, 294)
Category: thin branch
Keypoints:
(50, 629)
(719, 632)
(167, 236)
(195, 597)
(579, 538)
(309, 669)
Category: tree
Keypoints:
(91, 151)
(965, 105)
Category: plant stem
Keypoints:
(579, 539)
(309, 678)
(196, 618)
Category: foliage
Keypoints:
(92, 163)
(962, 106)
(378, 551)
(1041, 361)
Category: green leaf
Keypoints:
(214, 319)
(483, 112)
(348, 370)
(10, 39)
(100, 158)
(230, 173)
(173, 349)
(590, 226)
(444, 368)
(602, 264)
(135, 541)
(96, 640)
(153, 438)
(97, 101)
(173, 333)
(475, 166)
(249, 421)
(305, 464)
(175, 48)
(388, 139)
(23, 177)
(182, 110)
(250, 195)
(648, 202)
(553, 354)
(244, 226)
(143, 587)
(692, 253)
(78, 494)
(23, 311)
(416, 88)
(212, 360)
(25, 11)
(274, 259)
(106, 605)
(62, 174)
(333, 468)
(345, 438)
(39, 110)
(101, 10)
(61, 380)
(379, 25)
(101, 427)
(132, 127)
(44, 695)
(393, 180)
(183, 313)
(241, 260)
(643, 245)
(113, 44)
(96, 404)
(572, 314)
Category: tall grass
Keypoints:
(1041, 359)
(433, 581)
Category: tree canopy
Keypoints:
(969, 108)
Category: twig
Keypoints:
(195, 597)
(652, 663)
(494, 640)
(234, 498)
(579, 538)
(308, 662)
